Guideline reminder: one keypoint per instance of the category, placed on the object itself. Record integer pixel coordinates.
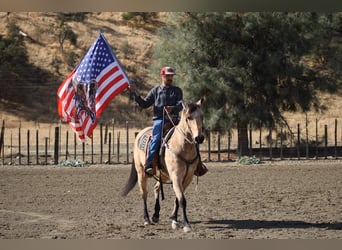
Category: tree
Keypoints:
(63, 31)
(13, 58)
(251, 66)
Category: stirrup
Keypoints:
(149, 171)
(201, 170)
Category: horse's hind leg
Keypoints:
(143, 190)
(155, 217)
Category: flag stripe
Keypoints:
(102, 106)
(111, 88)
(107, 72)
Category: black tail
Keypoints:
(133, 178)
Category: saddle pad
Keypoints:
(144, 140)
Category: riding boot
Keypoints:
(149, 170)
(201, 169)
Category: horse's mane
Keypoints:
(192, 107)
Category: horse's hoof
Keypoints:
(155, 219)
(174, 225)
(187, 229)
(146, 223)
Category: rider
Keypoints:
(163, 96)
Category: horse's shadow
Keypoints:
(271, 224)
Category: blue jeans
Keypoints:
(157, 133)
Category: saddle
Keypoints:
(144, 143)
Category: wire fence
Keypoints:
(112, 143)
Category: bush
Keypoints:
(139, 18)
(246, 160)
(72, 16)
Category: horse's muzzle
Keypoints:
(199, 139)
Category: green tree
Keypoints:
(13, 58)
(250, 66)
(63, 31)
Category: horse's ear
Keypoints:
(201, 101)
(184, 105)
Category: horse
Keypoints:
(179, 160)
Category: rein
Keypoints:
(187, 162)
(179, 129)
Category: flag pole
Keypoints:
(113, 54)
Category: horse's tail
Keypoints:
(132, 180)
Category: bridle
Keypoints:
(193, 142)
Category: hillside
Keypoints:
(133, 44)
(36, 102)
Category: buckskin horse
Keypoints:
(178, 161)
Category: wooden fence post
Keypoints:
(56, 149)
(307, 137)
(11, 146)
(229, 142)
(270, 143)
(19, 145)
(209, 145)
(109, 145)
(316, 139)
(92, 149)
(281, 143)
(113, 136)
(127, 143)
(260, 142)
(46, 147)
(118, 148)
(101, 143)
(66, 144)
(83, 151)
(2, 135)
(28, 147)
(37, 146)
(2, 139)
(74, 146)
(219, 147)
(298, 141)
(106, 134)
(325, 141)
(250, 141)
(335, 138)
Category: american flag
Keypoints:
(89, 88)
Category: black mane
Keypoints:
(192, 107)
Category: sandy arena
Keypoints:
(273, 200)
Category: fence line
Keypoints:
(114, 144)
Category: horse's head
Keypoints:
(194, 118)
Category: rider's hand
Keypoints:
(132, 87)
(168, 108)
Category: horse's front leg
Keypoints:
(146, 216)
(187, 227)
(155, 217)
(180, 201)
(174, 215)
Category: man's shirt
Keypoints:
(160, 97)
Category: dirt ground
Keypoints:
(273, 200)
